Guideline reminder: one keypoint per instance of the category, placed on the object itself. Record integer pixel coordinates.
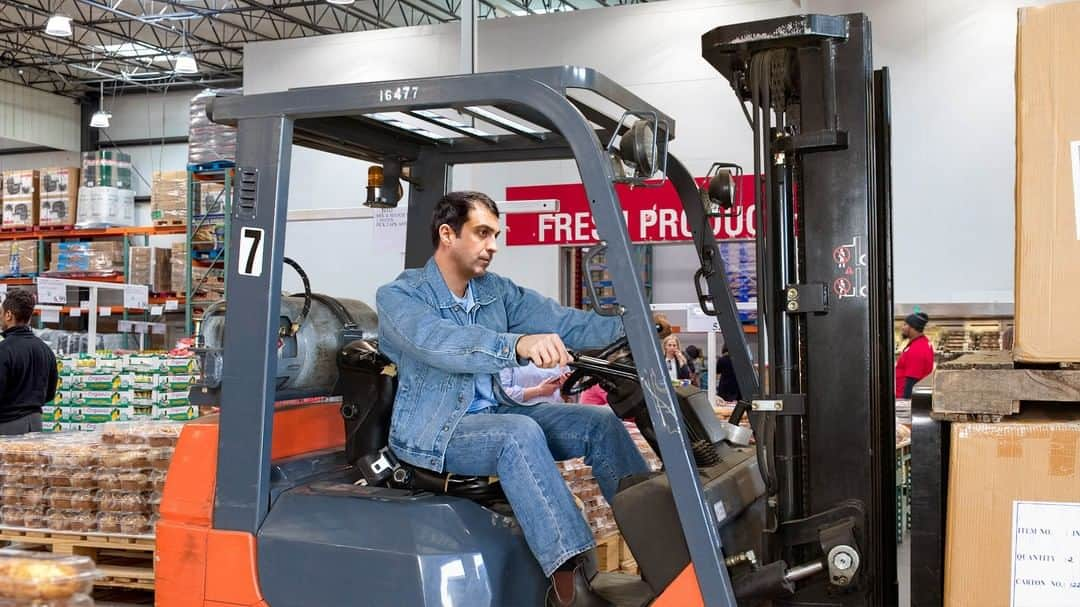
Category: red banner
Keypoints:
(653, 214)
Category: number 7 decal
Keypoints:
(250, 262)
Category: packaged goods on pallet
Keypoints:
(209, 142)
(105, 207)
(211, 199)
(21, 198)
(178, 267)
(30, 579)
(59, 197)
(108, 481)
(18, 258)
(101, 258)
(106, 168)
(168, 197)
(151, 266)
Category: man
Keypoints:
(917, 359)
(727, 385)
(27, 368)
(451, 327)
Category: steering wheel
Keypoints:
(613, 362)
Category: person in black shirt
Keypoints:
(727, 386)
(28, 373)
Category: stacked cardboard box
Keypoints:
(1047, 197)
(102, 258)
(59, 196)
(106, 168)
(18, 258)
(151, 266)
(168, 197)
(178, 265)
(1014, 500)
(103, 207)
(21, 198)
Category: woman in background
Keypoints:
(530, 384)
(675, 360)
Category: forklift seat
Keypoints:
(367, 383)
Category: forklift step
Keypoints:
(987, 386)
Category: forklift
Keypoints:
(301, 504)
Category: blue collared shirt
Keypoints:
(483, 395)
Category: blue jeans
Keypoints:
(520, 445)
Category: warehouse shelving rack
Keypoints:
(206, 213)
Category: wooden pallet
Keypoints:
(627, 562)
(987, 386)
(125, 561)
(170, 222)
(608, 556)
(16, 229)
(56, 228)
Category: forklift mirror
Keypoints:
(718, 194)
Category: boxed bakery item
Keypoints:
(20, 196)
(168, 197)
(18, 257)
(151, 266)
(44, 576)
(105, 207)
(99, 257)
(1047, 184)
(59, 196)
(1013, 500)
(106, 168)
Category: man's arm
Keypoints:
(420, 332)
(531, 313)
(50, 387)
(909, 385)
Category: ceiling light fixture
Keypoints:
(58, 25)
(185, 61)
(340, 2)
(101, 118)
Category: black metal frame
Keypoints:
(829, 143)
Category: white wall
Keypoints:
(37, 118)
(953, 119)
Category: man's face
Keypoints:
(473, 251)
(906, 331)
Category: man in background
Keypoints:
(28, 373)
(917, 359)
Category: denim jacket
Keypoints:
(437, 353)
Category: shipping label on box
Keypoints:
(1045, 554)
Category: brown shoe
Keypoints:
(572, 589)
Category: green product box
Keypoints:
(95, 397)
(69, 427)
(147, 381)
(100, 414)
(53, 413)
(144, 363)
(176, 413)
(181, 365)
(179, 382)
(174, 398)
(103, 381)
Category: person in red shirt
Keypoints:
(917, 359)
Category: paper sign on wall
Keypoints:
(1045, 554)
(49, 314)
(50, 291)
(389, 228)
(136, 296)
(172, 305)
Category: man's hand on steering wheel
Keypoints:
(545, 350)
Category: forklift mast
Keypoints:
(824, 408)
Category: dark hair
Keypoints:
(453, 210)
(692, 351)
(20, 303)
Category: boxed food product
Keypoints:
(59, 196)
(44, 575)
(183, 412)
(151, 266)
(99, 257)
(168, 197)
(20, 198)
(106, 168)
(1047, 191)
(97, 414)
(103, 207)
(1013, 500)
(18, 258)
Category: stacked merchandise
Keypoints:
(105, 388)
(151, 266)
(99, 259)
(43, 579)
(107, 482)
(21, 199)
(59, 197)
(178, 267)
(75, 342)
(583, 485)
(106, 198)
(740, 259)
(209, 142)
(168, 198)
(19, 258)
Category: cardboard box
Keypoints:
(59, 196)
(18, 257)
(179, 263)
(151, 266)
(98, 258)
(168, 197)
(103, 207)
(106, 168)
(20, 195)
(1047, 184)
(992, 468)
